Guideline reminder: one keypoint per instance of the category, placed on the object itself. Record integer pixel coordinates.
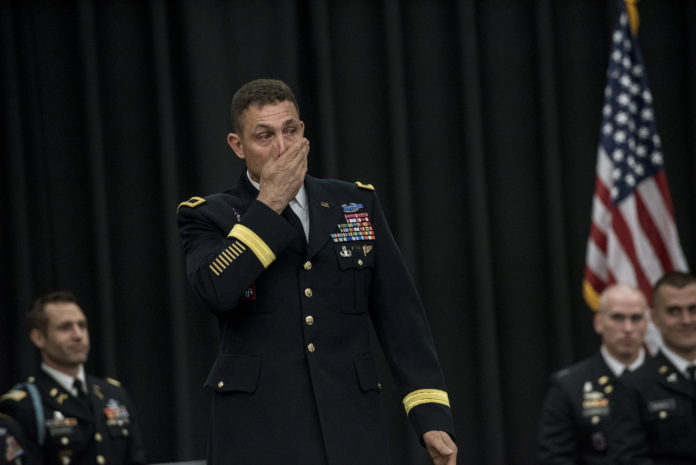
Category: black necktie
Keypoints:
(78, 386)
(691, 370)
(294, 221)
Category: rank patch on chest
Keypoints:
(357, 227)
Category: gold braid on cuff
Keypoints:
(424, 396)
(254, 242)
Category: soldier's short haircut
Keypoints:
(36, 316)
(678, 279)
(259, 92)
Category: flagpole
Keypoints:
(633, 17)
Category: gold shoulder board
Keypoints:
(369, 187)
(115, 382)
(193, 202)
(15, 394)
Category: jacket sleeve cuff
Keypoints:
(431, 417)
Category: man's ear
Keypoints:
(597, 324)
(235, 144)
(38, 338)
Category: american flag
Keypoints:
(633, 237)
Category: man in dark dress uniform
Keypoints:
(294, 268)
(574, 427)
(655, 413)
(67, 416)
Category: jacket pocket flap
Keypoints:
(233, 372)
(367, 373)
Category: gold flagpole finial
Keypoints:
(633, 18)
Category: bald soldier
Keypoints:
(574, 420)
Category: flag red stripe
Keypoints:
(623, 234)
(661, 181)
(602, 192)
(599, 238)
(594, 280)
(652, 233)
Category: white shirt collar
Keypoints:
(678, 361)
(65, 380)
(300, 198)
(616, 366)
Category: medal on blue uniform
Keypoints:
(357, 227)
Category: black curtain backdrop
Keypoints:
(477, 121)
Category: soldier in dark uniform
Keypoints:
(655, 413)
(12, 442)
(294, 268)
(574, 427)
(67, 416)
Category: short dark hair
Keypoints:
(259, 92)
(36, 316)
(678, 279)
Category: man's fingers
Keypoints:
(441, 447)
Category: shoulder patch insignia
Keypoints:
(15, 394)
(193, 202)
(368, 187)
(115, 382)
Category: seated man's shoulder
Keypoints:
(108, 385)
(578, 370)
(18, 402)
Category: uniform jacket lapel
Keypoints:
(671, 379)
(324, 216)
(57, 398)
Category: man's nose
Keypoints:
(79, 332)
(282, 144)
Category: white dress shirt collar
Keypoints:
(66, 381)
(616, 366)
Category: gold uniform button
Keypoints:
(98, 437)
(360, 262)
(308, 292)
(101, 460)
(65, 460)
(663, 414)
(379, 386)
(309, 320)
(124, 431)
(307, 265)
(595, 420)
(310, 347)
(220, 384)
(53, 392)
(65, 441)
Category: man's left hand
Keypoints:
(441, 448)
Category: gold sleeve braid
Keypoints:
(424, 396)
(254, 242)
